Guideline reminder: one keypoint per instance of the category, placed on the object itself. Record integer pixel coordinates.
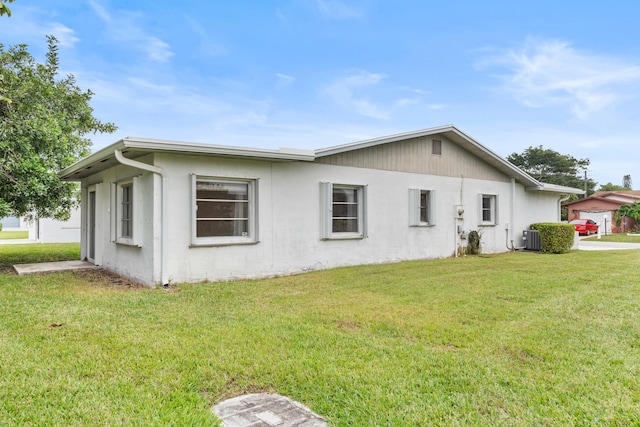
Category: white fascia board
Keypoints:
(497, 161)
(91, 159)
(337, 149)
(155, 145)
(553, 188)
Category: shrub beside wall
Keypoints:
(555, 238)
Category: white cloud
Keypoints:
(30, 27)
(552, 72)
(207, 45)
(342, 91)
(403, 102)
(436, 106)
(100, 11)
(281, 16)
(64, 34)
(284, 80)
(336, 9)
(127, 30)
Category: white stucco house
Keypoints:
(164, 211)
(47, 230)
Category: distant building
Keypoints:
(604, 205)
(47, 230)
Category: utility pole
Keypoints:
(585, 183)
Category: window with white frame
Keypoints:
(421, 207)
(343, 211)
(488, 209)
(224, 211)
(125, 212)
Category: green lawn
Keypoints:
(37, 252)
(520, 339)
(13, 234)
(618, 237)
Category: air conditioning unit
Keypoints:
(531, 240)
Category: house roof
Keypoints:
(595, 202)
(618, 198)
(630, 195)
(465, 141)
(134, 147)
(137, 147)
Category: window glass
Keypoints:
(486, 208)
(424, 206)
(222, 209)
(345, 210)
(126, 217)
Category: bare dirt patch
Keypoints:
(109, 279)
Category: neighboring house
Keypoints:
(604, 205)
(9, 222)
(161, 211)
(47, 230)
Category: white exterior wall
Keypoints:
(532, 207)
(54, 231)
(135, 262)
(49, 230)
(289, 219)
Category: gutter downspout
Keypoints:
(163, 216)
(512, 215)
(562, 200)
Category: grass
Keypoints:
(13, 234)
(36, 252)
(617, 237)
(518, 339)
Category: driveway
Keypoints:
(597, 245)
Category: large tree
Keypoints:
(4, 9)
(551, 167)
(44, 123)
(611, 187)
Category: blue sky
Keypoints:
(317, 73)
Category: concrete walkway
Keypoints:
(17, 241)
(265, 410)
(49, 267)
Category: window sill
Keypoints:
(222, 242)
(345, 236)
(422, 225)
(127, 243)
(487, 225)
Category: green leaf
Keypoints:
(45, 121)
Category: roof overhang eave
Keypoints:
(143, 146)
(552, 188)
(88, 162)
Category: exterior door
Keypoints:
(91, 225)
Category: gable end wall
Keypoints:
(415, 156)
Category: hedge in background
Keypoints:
(555, 238)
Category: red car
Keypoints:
(585, 226)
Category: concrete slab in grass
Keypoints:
(266, 410)
(49, 267)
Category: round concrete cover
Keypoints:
(266, 410)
